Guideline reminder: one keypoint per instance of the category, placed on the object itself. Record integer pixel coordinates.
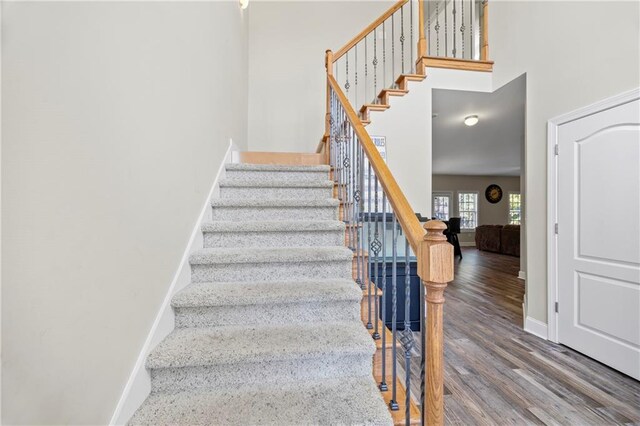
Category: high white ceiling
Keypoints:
(493, 146)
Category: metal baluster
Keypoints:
(393, 404)
(347, 85)
(471, 13)
(393, 52)
(348, 200)
(376, 249)
(407, 340)
(402, 38)
(355, 48)
(423, 335)
(360, 221)
(454, 29)
(383, 385)
(446, 48)
(437, 28)
(375, 63)
(366, 69)
(411, 45)
(384, 56)
(462, 27)
(356, 209)
(354, 185)
(428, 10)
(369, 262)
(383, 269)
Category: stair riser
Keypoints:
(274, 213)
(244, 272)
(231, 376)
(268, 314)
(274, 239)
(277, 193)
(264, 176)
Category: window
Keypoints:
(468, 210)
(441, 205)
(515, 212)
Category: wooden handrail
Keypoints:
(401, 207)
(344, 49)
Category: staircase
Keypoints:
(269, 331)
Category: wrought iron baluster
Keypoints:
(370, 247)
(355, 48)
(437, 28)
(383, 269)
(360, 218)
(354, 189)
(375, 62)
(393, 51)
(393, 404)
(446, 39)
(423, 335)
(383, 385)
(366, 68)
(346, 84)
(376, 246)
(384, 55)
(454, 29)
(411, 44)
(402, 38)
(428, 11)
(471, 14)
(407, 335)
(462, 27)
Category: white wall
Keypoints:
(574, 53)
(287, 78)
(488, 213)
(407, 126)
(116, 116)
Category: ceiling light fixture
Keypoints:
(244, 4)
(471, 120)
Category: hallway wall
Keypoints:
(116, 117)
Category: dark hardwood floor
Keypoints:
(495, 373)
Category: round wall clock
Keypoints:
(493, 193)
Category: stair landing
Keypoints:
(282, 158)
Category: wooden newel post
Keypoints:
(435, 270)
(328, 63)
(484, 51)
(422, 40)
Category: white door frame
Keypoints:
(552, 195)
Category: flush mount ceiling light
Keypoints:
(244, 4)
(471, 120)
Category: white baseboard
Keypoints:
(139, 384)
(535, 327)
(467, 244)
(522, 275)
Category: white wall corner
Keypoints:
(138, 385)
(522, 275)
(535, 327)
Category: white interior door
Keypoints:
(599, 236)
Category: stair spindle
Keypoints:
(393, 404)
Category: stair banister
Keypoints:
(434, 255)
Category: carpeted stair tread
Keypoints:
(262, 293)
(209, 256)
(244, 202)
(246, 183)
(190, 347)
(277, 168)
(347, 401)
(273, 226)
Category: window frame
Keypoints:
(442, 194)
(509, 208)
(459, 214)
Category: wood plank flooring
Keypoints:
(495, 373)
